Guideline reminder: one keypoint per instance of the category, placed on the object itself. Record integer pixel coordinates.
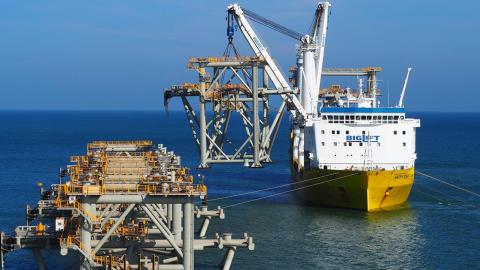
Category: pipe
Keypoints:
(188, 227)
(229, 258)
(177, 221)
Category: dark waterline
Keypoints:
(438, 229)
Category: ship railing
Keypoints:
(162, 188)
(373, 167)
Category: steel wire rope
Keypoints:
(447, 183)
(428, 192)
(270, 188)
(454, 199)
(431, 196)
(288, 191)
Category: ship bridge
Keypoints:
(350, 115)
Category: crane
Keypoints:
(311, 51)
(260, 50)
(309, 61)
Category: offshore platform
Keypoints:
(124, 205)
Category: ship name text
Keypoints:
(362, 138)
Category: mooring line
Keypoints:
(270, 188)
(447, 183)
(288, 191)
(458, 203)
(436, 191)
(430, 195)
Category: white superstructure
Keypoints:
(352, 138)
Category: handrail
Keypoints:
(76, 205)
(171, 188)
(71, 241)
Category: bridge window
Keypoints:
(338, 131)
(404, 132)
(323, 131)
(394, 132)
(347, 132)
(333, 131)
(364, 117)
(363, 132)
(361, 144)
(349, 144)
(335, 143)
(404, 144)
(323, 143)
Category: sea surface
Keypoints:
(438, 229)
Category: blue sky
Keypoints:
(119, 55)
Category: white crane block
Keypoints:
(313, 51)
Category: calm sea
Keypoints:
(438, 229)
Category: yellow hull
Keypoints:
(365, 190)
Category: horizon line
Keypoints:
(169, 111)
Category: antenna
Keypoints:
(388, 92)
(400, 101)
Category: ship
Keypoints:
(357, 154)
(346, 149)
(349, 151)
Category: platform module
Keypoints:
(124, 205)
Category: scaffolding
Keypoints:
(124, 205)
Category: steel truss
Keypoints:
(233, 89)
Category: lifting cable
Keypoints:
(270, 188)
(447, 183)
(271, 24)
(288, 191)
